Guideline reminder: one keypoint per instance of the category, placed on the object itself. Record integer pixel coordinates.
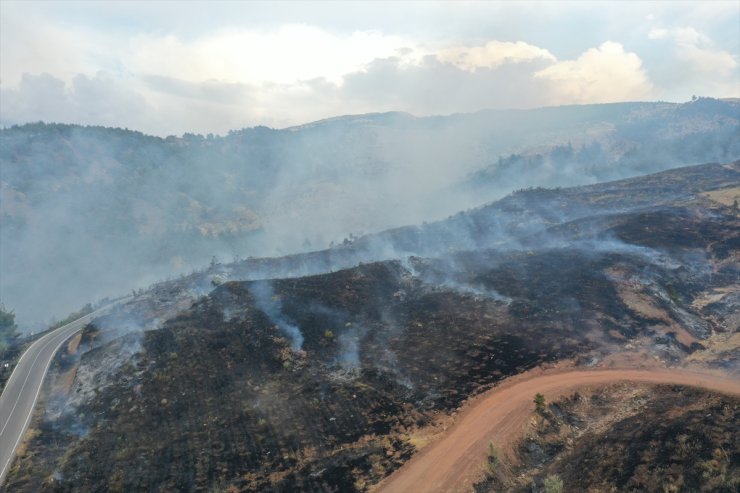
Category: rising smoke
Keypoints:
(92, 212)
(267, 301)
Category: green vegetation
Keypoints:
(553, 484)
(539, 402)
(8, 328)
(73, 316)
(673, 293)
(493, 460)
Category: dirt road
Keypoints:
(456, 461)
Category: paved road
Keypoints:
(22, 390)
(456, 461)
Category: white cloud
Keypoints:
(285, 55)
(603, 74)
(433, 87)
(46, 48)
(97, 100)
(280, 64)
(697, 51)
(688, 36)
(493, 54)
(658, 33)
(708, 62)
(175, 98)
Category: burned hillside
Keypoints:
(628, 437)
(231, 380)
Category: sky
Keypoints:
(167, 68)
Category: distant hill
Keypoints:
(89, 211)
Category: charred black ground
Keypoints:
(629, 438)
(188, 392)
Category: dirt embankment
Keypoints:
(457, 460)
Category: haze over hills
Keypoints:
(102, 210)
(254, 376)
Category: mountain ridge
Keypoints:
(163, 206)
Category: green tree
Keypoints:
(539, 402)
(553, 484)
(492, 459)
(8, 328)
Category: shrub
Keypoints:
(492, 459)
(8, 328)
(553, 484)
(539, 402)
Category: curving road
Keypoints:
(456, 461)
(22, 389)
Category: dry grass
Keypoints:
(716, 345)
(74, 344)
(22, 449)
(64, 381)
(725, 196)
(713, 296)
(421, 439)
(641, 304)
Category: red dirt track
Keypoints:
(456, 461)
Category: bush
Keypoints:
(72, 317)
(539, 402)
(8, 328)
(492, 459)
(553, 484)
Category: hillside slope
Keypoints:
(111, 209)
(230, 380)
(629, 437)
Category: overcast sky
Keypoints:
(173, 67)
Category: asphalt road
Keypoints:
(23, 388)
